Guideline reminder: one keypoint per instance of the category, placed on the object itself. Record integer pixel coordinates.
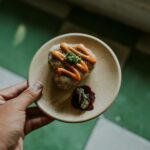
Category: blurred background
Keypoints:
(124, 25)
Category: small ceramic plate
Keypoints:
(104, 80)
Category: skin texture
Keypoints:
(16, 120)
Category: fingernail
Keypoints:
(37, 87)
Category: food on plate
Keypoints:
(83, 98)
(71, 64)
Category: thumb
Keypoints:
(29, 95)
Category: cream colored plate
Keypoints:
(104, 80)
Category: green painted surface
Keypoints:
(60, 136)
(132, 107)
(22, 31)
(105, 27)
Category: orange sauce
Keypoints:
(83, 52)
(82, 66)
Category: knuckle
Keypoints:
(30, 94)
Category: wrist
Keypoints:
(3, 146)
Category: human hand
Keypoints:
(16, 120)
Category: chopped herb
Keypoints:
(71, 58)
(83, 98)
(84, 104)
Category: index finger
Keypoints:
(13, 91)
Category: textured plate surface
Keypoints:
(104, 80)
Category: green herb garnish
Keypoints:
(83, 98)
(71, 58)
